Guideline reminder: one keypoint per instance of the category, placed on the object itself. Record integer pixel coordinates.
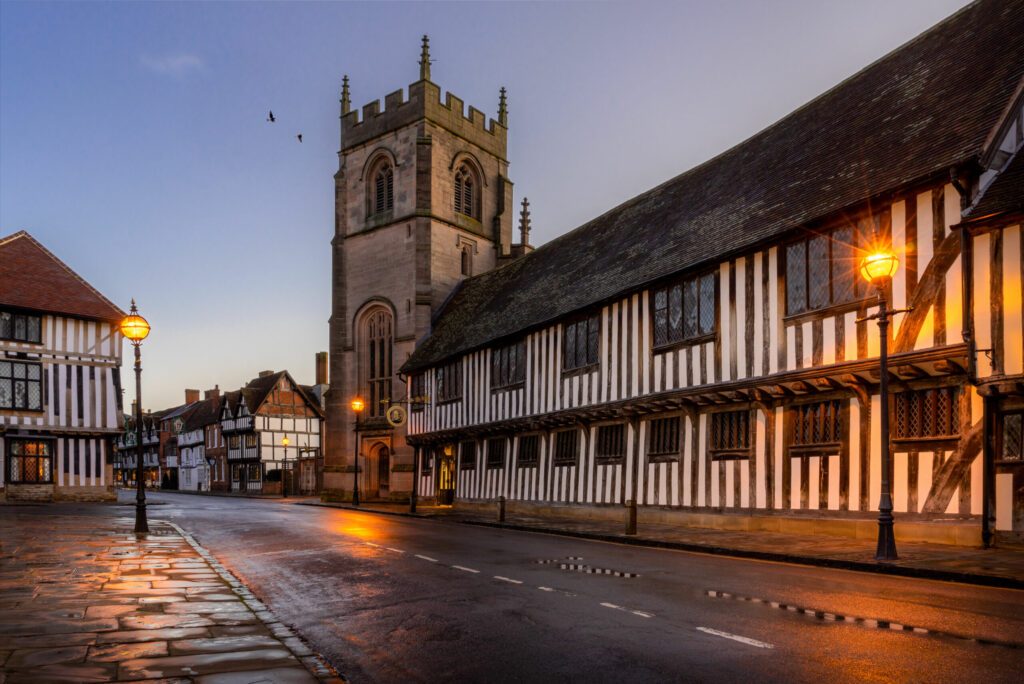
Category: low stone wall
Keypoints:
(26, 492)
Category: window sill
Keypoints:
(911, 441)
(564, 464)
(662, 458)
(689, 342)
(811, 449)
(527, 464)
(495, 466)
(508, 388)
(609, 460)
(835, 309)
(467, 466)
(581, 370)
(444, 402)
(730, 455)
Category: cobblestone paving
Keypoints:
(86, 600)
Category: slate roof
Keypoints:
(203, 413)
(925, 107)
(1005, 195)
(257, 389)
(31, 277)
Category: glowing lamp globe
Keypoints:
(358, 405)
(133, 326)
(284, 442)
(878, 266)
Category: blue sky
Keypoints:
(133, 140)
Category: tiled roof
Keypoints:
(1006, 194)
(918, 111)
(203, 413)
(33, 278)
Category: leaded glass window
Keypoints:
(21, 386)
(581, 343)
(529, 451)
(29, 461)
(927, 413)
(821, 271)
(684, 310)
(21, 327)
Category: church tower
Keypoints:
(422, 200)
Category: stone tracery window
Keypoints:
(466, 192)
(376, 361)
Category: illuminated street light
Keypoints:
(878, 269)
(357, 408)
(136, 328)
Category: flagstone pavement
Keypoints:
(86, 600)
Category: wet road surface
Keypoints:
(389, 599)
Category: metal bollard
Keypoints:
(630, 517)
(501, 509)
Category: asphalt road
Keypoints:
(392, 599)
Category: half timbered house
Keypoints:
(60, 389)
(703, 348)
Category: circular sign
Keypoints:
(395, 415)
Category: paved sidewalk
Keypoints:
(1001, 567)
(82, 599)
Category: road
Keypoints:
(394, 599)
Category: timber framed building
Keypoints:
(60, 388)
(705, 350)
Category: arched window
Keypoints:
(467, 260)
(383, 189)
(466, 192)
(376, 360)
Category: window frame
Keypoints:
(955, 399)
(860, 292)
(417, 388)
(27, 318)
(453, 371)
(13, 460)
(796, 423)
(463, 173)
(1001, 457)
(592, 336)
(604, 458)
(14, 380)
(383, 165)
(464, 463)
(672, 453)
(699, 336)
(560, 461)
(535, 461)
(508, 366)
(719, 453)
(490, 463)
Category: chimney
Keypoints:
(135, 407)
(321, 368)
(264, 374)
(191, 395)
(212, 394)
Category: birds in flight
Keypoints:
(273, 119)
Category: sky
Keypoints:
(134, 142)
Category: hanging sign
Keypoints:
(395, 415)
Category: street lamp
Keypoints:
(284, 471)
(878, 269)
(357, 408)
(136, 328)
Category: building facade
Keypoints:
(707, 347)
(60, 388)
(422, 201)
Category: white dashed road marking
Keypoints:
(426, 558)
(545, 588)
(507, 579)
(372, 544)
(464, 569)
(642, 613)
(395, 550)
(735, 637)
(611, 605)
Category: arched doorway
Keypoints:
(383, 470)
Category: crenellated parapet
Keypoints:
(423, 102)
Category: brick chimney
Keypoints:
(321, 368)
(212, 394)
(191, 395)
(264, 374)
(135, 406)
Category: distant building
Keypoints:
(60, 386)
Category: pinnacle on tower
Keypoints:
(425, 59)
(503, 108)
(346, 101)
(524, 222)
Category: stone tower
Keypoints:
(422, 200)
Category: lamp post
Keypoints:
(357, 408)
(135, 328)
(284, 468)
(878, 269)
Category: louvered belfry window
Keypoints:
(378, 360)
(817, 423)
(927, 413)
(730, 431)
(384, 189)
(465, 192)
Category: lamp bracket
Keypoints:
(889, 312)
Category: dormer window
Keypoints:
(466, 192)
(383, 189)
